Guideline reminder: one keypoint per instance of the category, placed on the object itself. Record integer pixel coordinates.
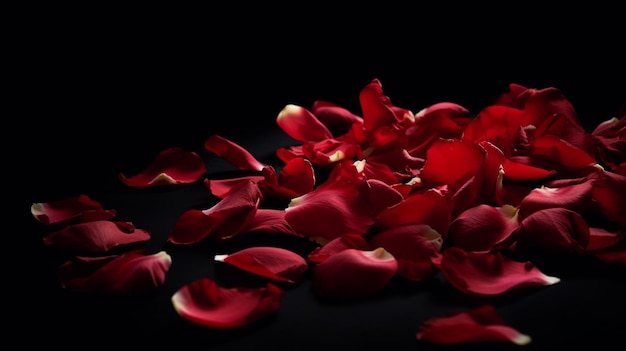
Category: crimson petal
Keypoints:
(343, 242)
(301, 124)
(232, 153)
(483, 228)
(270, 262)
(481, 324)
(451, 162)
(75, 209)
(130, 273)
(205, 303)
(95, 236)
(268, 220)
(171, 166)
(575, 197)
(557, 230)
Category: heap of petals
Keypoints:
(391, 194)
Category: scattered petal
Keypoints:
(232, 153)
(302, 125)
(171, 166)
(76, 209)
(270, 262)
(95, 236)
(343, 242)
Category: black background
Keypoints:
(101, 91)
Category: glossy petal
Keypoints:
(575, 197)
(489, 273)
(270, 262)
(441, 120)
(76, 209)
(481, 324)
(232, 153)
(483, 228)
(298, 176)
(337, 119)
(451, 162)
(608, 192)
(205, 303)
(413, 246)
(560, 153)
(171, 166)
(301, 124)
(330, 151)
(267, 220)
(95, 236)
(230, 216)
(557, 230)
(496, 124)
(343, 242)
(131, 273)
(376, 106)
(352, 274)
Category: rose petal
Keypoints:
(171, 166)
(76, 209)
(556, 230)
(302, 125)
(352, 274)
(205, 303)
(489, 273)
(95, 236)
(343, 242)
(270, 262)
(377, 109)
(483, 228)
(610, 141)
(441, 120)
(232, 153)
(267, 220)
(130, 273)
(563, 155)
(451, 162)
(221, 187)
(337, 119)
(575, 197)
(481, 324)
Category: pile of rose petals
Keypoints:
(384, 194)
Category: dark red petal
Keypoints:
(562, 154)
(130, 273)
(267, 220)
(575, 197)
(230, 216)
(481, 324)
(221, 187)
(608, 192)
(302, 125)
(76, 209)
(298, 176)
(95, 237)
(330, 151)
(376, 107)
(412, 245)
(483, 228)
(600, 238)
(205, 303)
(171, 166)
(441, 120)
(451, 162)
(336, 118)
(489, 273)
(232, 153)
(610, 141)
(343, 242)
(554, 230)
(496, 124)
(270, 262)
(524, 173)
(353, 273)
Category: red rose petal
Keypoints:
(575, 197)
(130, 273)
(343, 242)
(481, 324)
(496, 124)
(556, 230)
(221, 187)
(337, 119)
(302, 125)
(352, 274)
(232, 153)
(451, 162)
(171, 166)
(76, 209)
(560, 153)
(441, 120)
(489, 273)
(205, 303)
(483, 228)
(270, 262)
(610, 141)
(95, 236)
(267, 220)
(229, 217)
(608, 191)
(377, 109)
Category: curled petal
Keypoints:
(205, 303)
(608, 193)
(298, 176)
(559, 152)
(554, 230)
(489, 273)
(336, 118)
(230, 216)
(171, 166)
(270, 262)
(232, 153)
(610, 141)
(353, 273)
(481, 324)
(441, 120)
(130, 273)
(221, 187)
(343, 242)
(76, 209)
(376, 106)
(483, 228)
(95, 236)
(575, 197)
(302, 125)
(451, 162)
(267, 220)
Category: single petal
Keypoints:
(441, 120)
(495, 124)
(171, 166)
(131, 273)
(489, 273)
(481, 324)
(483, 228)
(268, 220)
(575, 197)
(337, 119)
(608, 193)
(377, 108)
(563, 155)
(205, 303)
(556, 230)
(352, 274)
(270, 262)
(610, 141)
(75, 209)
(338, 244)
(302, 125)
(451, 162)
(221, 187)
(95, 236)
(232, 153)
(229, 217)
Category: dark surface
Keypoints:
(109, 100)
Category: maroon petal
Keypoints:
(608, 193)
(221, 187)
(171, 166)
(133, 272)
(95, 237)
(412, 245)
(483, 228)
(495, 124)
(270, 262)
(76, 209)
(232, 153)
(302, 125)
(376, 107)
(557, 151)
(353, 273)
(267, 220)
(343, 242)
(441, 120)
(610, 141)
(227, 218)
(337, 119)
(205, 303)
(489, 273)
(575, 197)
(481, 324)
(557, 230)
(298, 176)
(451, 162)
